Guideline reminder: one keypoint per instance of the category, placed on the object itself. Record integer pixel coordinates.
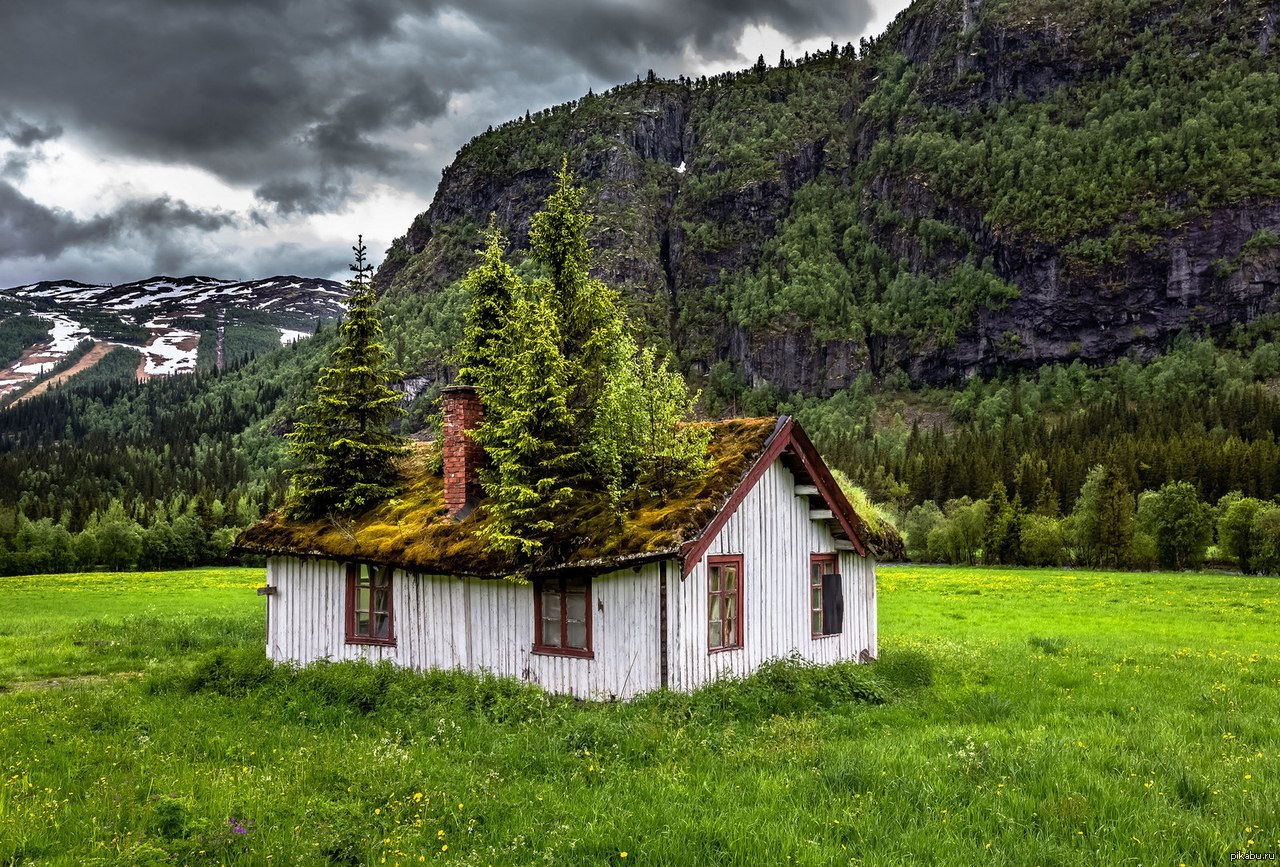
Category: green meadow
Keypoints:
(1015, 716)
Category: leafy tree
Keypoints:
(1180, 524)
(959, 538)
(157, 545)
(1266, 535)
(1235, 531)
(1042, 540)
(119, 542)
(920, 522)
(345, 454)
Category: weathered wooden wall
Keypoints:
(774, 534)
(443, 622)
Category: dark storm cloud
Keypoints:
(28, 228)
(244, 90)
(23, 133)
(614, 39)
(298, 196)
(252, 89)
(26, 137)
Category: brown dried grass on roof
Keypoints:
(412, 530)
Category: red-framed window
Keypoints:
(826, 596)
(724, 602)
(562, 617)
(370, 614)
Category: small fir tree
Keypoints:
(345, 453)
(492, 286)
(529, 472)
(590, 320)
(571, 403)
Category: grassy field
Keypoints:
(1015, 717)
(100, 623)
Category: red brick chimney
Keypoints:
(462, 455)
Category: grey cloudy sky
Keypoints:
(245, 138)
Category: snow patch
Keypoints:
(288, 335)
(170, 351)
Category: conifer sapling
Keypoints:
(345, 453)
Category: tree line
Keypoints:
(1109, 527)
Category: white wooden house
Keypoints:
(760, 558)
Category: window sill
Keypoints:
(573, 652)
(826, 635)
(377, 642)
(724, 649)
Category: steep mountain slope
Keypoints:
(167, 319)
(990, 185)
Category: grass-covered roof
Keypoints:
(413, 532)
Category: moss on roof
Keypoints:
(413, 532)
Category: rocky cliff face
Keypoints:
(706, 217)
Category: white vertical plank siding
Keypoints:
(773, 532)
(433, 629)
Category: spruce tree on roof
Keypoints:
(345, 453)
(571, 404)
(492, 286)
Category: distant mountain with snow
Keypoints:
(170, 321)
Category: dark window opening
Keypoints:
(370, 616)
(826, 596)
(562, 617)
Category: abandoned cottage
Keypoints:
(761, 556)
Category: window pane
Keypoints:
(362, 623)
(551, 632)
(815, 572)
(717, 634)
(713, 579)
(381, 600)
(815, 598)
(362, 599)
(815, 623)
(715, 608)
(551, 605)
(576, 605)
(382, 625)
(730, 633)
(578, 635)
(383, 577)
(731, 577)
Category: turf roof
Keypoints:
(413, 532)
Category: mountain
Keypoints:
(166, 319)
(991, 185)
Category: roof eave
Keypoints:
(786, 432)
